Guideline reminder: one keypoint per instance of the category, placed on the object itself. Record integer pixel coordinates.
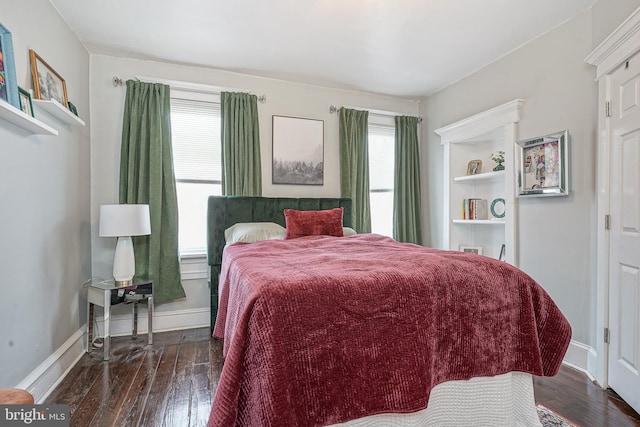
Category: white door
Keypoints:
(624, 280)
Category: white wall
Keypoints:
(45, 251)
(283, 98)
(556, 235)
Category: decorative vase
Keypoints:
(500, 167)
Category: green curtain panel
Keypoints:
(406, 190)
(241, 171)
(354, 165)
(146, 177)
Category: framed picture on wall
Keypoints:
(298, 151)
(8, 82)
(47, 83)
(543, 165)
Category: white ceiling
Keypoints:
(408, 48)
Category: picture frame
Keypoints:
(472, 249)
(298, 151)
(474, 167)
(8, 83)
(25, 102)
(72, 108)
(543, 165)
(47, 83)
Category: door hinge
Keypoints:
(607, 222)
(606, 335)
(607, 109)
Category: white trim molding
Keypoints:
(622, 43)
(48, 375)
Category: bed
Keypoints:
(364, 331)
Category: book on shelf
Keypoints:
(474, 209)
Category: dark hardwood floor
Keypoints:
(171, 383)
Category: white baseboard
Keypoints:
(122, 325)
(580, 356)
(41, 382)
(48, 375)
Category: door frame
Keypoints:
(620, 45)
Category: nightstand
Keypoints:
(105, 295)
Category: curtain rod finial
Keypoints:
(117, 81)
(333, 109)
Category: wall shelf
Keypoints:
(480, 221)
(59, 111)
(12, 115)
(480, 177)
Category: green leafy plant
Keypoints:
(497, 157)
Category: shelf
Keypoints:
(480, 221)
(12, 115)
(59, 111)
(480, 177)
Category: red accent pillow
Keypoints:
(313, 223)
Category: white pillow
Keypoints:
(348, 231)
(251, 232)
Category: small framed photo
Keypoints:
(25, 102)
(73, 109)
(543, 165)
(474, 167)
(471, 249)
(47, 83)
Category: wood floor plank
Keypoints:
(153, 414)
(179, 402)
(173, 381)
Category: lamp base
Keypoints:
(123, 283)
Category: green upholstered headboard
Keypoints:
(224, 211)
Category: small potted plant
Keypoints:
(499, 159)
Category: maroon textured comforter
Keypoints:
(321, 330)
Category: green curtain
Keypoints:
(241, 171)
(406, 190)
(146, 177)
(354, 166)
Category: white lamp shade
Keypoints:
(124, 220)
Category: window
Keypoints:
(381, 171)
(195, 132)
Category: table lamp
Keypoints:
(124, 221)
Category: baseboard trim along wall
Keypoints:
(580, 356)
(41, 382)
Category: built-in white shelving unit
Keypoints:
(12, 115)
(59, 111)
(476, 138)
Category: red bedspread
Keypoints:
(321, 330)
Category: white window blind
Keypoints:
(195, 127)
(197, 161)
(381, 176)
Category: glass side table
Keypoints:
(105, 295)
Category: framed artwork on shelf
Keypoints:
(8, 82)
(47, 83)
(543, 165)
(471, 249)
(25, 102)
(474, 167)
(73, 109)
(298, 151)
